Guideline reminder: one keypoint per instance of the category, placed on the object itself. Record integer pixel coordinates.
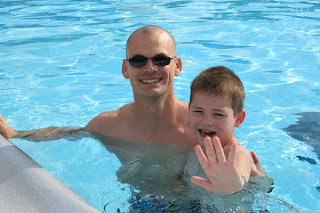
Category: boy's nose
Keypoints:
(207, 121)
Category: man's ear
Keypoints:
(240, 118)
(125, 69)
(178, 66)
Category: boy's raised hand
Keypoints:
(223, 175)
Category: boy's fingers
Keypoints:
(219, 149)
(233, 153)
(202, 158)
(211, 153)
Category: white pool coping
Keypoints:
(26, 187)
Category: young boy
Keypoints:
(215, 110)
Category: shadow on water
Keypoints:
(307, 129)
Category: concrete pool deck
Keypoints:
(26, 187)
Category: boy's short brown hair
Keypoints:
(220, 80)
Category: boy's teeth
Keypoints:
(207, 132)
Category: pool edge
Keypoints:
(27, 187)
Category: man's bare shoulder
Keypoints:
(106, 121)
(182, 104)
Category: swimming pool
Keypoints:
(60, 65)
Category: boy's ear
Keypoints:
(240, 118)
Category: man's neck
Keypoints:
(163, 109)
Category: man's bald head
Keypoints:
(150, 30)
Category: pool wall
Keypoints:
(26, 187)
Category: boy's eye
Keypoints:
(218, 114)
(197, 111)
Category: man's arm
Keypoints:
(46, 134)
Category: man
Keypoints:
(156, 115)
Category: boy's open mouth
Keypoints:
(205, 133)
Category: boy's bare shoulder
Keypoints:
(243, 151)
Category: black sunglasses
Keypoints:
(158, 60)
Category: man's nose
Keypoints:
(150, 67)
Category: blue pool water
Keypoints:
(60, 65)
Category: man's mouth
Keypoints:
(205, 133)
(150, 81)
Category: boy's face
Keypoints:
(211, 116)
